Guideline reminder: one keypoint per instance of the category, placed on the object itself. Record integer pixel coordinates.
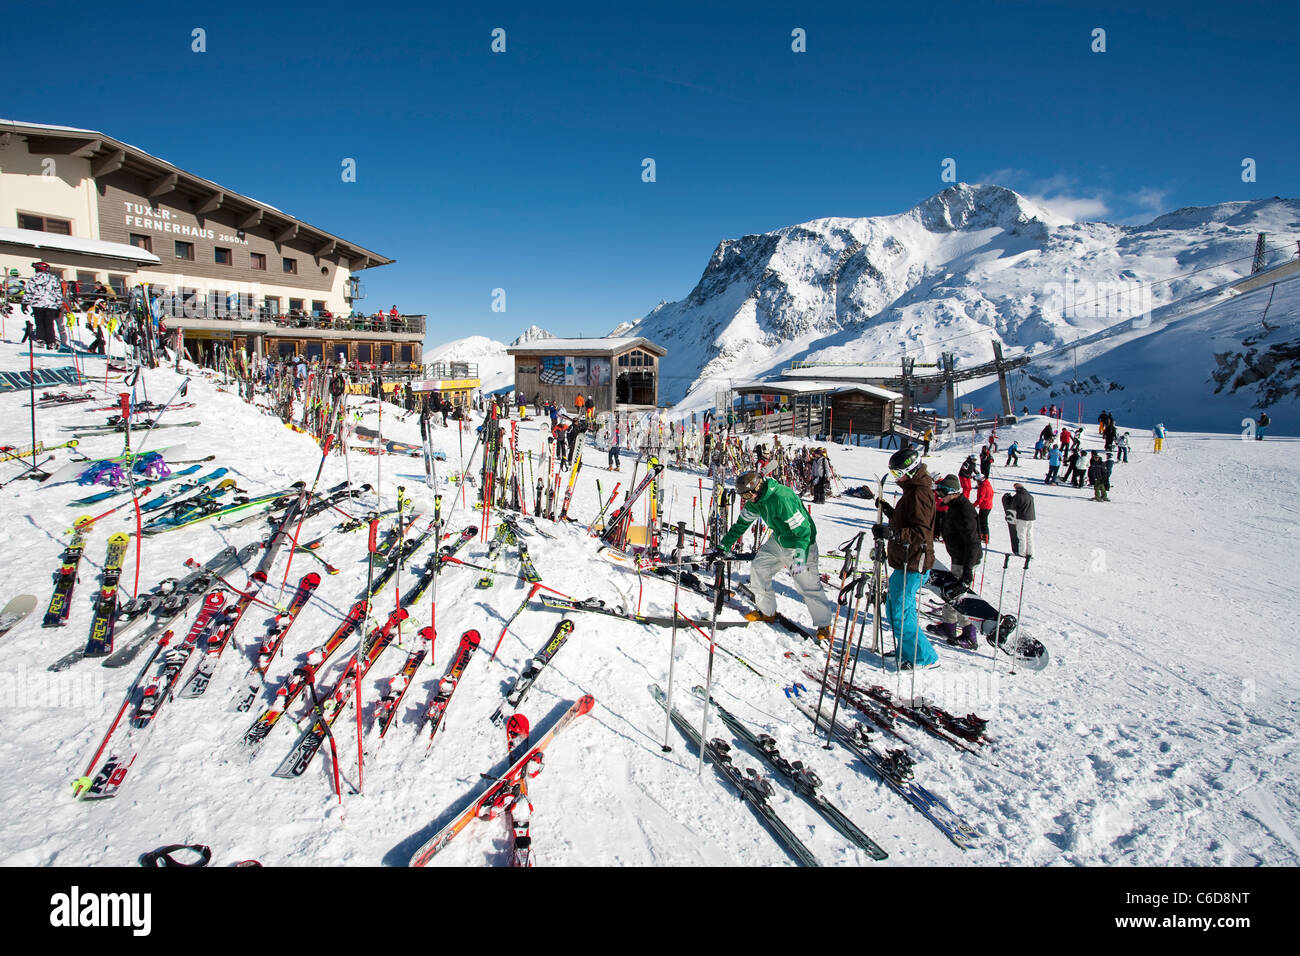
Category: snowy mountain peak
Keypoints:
(965, 206)
(532, 334)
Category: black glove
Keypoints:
(878, 532)
(713, 554)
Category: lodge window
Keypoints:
(385, 353)
(635, 358)
(317, 306)
(287, 349)
(60, 227)
(222, 257)
(185, 250)
(364, 352)
(257, 261)
(271, 305)
(87, 281)
(315, 350)
(118, 284)
(291, 266)
(405, 353)
(295, 305)
(142, 242)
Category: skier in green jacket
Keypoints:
(792, 545)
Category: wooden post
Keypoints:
(1002, 378)
(947, 360)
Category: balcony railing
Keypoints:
(452, 369)
(410, 324)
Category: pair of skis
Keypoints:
(503, 787)
(144, 699)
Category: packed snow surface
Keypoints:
(1161, 733)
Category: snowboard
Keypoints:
(14, 612)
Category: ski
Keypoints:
(107, 780)
(501, 785)
(623, 514)
(56, 615)
(15, 611)
(437, 708)
(271, 643)
(101, 625)
(433, 566)
(124, 488)
(934, 721)
(173, 604)
(754, 789)
(295, 684)
(296, 763)
(386, 709)
(171, 499)
(802, 779)
(599, 607)
(519, 808)
(494, 553)
(878, 715)
(397, 559)
(894, 768)
(272, 501)
(533, 669)
(526, 566)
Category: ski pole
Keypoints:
(902, 623)
(31, 382)
(309, 677)
(718, 582)
(840, 600)
(997, 635)
(181, 390)
(672, 646)
(1020, 605)
(84, 781)
(537, 586)
(857, 587)
(306, 504)
(356, 701)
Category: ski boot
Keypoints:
(824, 635)
(967, 638)
(945, 629)
(759, 617)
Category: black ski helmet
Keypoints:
(904, 462)
(750, 483)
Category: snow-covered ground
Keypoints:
(1162, 732)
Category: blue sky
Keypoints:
(522, 170)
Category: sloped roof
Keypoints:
(573, 346)
(816, 387)
(89, 247)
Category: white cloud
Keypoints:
(1151, 199)
(1077, 208)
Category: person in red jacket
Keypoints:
(1065, 436)
(984, 505)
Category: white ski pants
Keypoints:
(772, 558)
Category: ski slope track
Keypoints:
(1162, 732)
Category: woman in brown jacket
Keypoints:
(910, 553)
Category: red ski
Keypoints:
(398, 683)
(530, 764)
(295, 684)
(447, 686)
